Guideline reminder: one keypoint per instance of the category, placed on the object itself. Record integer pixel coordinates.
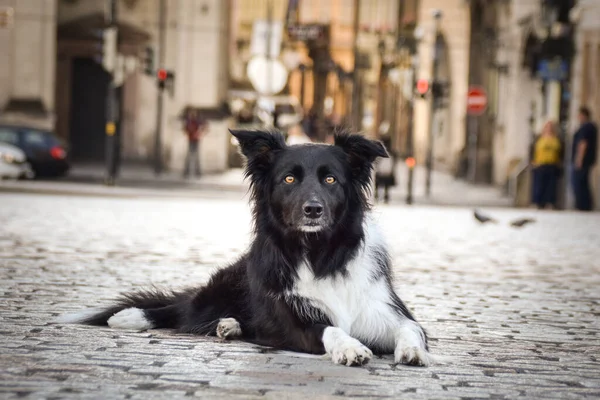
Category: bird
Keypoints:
(518, 223)
(483, 218)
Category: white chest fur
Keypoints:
(357, 303)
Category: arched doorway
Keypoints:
(81, 94)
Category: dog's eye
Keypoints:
(330, 179)
(289, 179)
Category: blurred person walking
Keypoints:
(195, 127)
(546, 161)
(385, 171)
(584, 150)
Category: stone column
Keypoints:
(27, 77)
(197, 50)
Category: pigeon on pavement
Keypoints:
(518, 223)
(483, 218)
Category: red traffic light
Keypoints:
(162, 74)
(422, 86)
(411, 162)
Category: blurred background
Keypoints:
(459, 90)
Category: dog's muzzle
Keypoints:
(312, 220)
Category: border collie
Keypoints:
(317, 276)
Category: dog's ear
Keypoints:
(259, 148)
(258, 144)
(361, 151)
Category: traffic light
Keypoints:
(149, 61)
(422, 87)
(164, 77)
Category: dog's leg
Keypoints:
(314, 338)
(229, 328)
(411, 345)
(344, 349)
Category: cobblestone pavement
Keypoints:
(515, 311)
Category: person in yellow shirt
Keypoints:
(546, 162)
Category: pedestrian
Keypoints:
(546, 162)
(385, 171)
(584, 152)
(195, 128)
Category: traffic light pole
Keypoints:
(355, 114)
(437, 15)
(411, 139)
(112, 113)
(162, 15)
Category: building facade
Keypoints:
(60, 67)
(27, 74)
(586, 74)
(368, 28)
(497, 45)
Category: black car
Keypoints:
(46, 154)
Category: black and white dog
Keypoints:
(317, 277)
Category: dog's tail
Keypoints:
(140, 310)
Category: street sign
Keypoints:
(306, 32)
(109, 50)
(476, 100)
(261, 31)
(553, 70)
(268, 76)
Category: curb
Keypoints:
(117, 191)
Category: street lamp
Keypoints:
(437, 15)
(413, 65)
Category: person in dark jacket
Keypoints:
(385, 171)
(584, 151)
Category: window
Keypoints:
(9, 135)
(35, 138)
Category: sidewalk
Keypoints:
(446, 190)
(140, 181)
(142, 176)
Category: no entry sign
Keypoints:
(476, 100)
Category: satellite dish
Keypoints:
(268, 76)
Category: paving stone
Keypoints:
(512, 312)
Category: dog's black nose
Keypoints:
(313, 209)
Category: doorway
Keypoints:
(88, 110)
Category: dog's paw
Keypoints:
(416, 356)
(228, 328)
(351, 352)
(343, 348)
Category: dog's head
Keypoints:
(312, 187)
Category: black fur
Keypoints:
(252, 290)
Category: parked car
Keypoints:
(13, 163)
(46, 154)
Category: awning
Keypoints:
(92, 26)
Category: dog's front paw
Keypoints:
(344, 349)
(228, 328)
(351, 352)
(416, 356)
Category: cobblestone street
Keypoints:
(514, 311)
